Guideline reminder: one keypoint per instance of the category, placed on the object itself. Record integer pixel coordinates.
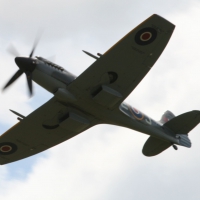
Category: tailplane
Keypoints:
(180, 126)
(184, 123)
(153, 146)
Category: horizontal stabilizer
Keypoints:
(184, 123)
(154, 146)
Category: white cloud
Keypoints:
(104, 162)
(81, 168)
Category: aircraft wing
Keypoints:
(47, 126)
(112, 77)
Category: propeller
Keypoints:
(26, 65)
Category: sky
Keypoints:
(104, 162)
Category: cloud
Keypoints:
(90, 172)
(67, 19)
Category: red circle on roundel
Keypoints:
(136, 111)
(145, 36)
(6, 148)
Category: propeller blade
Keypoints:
(29, 80)
(32, 52)
(35, 44)
(13, 51)
(26, 65)
(16, 76)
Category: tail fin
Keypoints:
(168, 115)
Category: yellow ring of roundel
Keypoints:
(5, 148)
(8, 144)
(145, 36)
(135, 114)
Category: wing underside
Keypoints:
(48, 126)
(110, 79)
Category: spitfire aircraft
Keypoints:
(96, 97)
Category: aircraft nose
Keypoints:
(26, 64)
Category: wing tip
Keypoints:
(162, 18)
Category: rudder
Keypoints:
(167, 116)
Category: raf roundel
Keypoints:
(137, 114)
(145, 36)
(7, 148)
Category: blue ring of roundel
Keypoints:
(140, 32)
(14, 148)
